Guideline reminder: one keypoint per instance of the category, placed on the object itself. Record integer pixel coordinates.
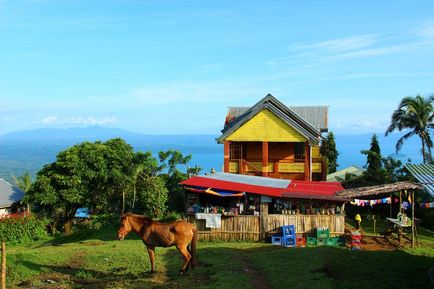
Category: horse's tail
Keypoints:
(193, 245)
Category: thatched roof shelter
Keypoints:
(377, 190)
(372, 191)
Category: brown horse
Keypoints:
(177, 233)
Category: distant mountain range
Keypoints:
(28, 151)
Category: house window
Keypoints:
(299, 150)
(236, 151)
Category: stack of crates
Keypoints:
(322, 235)
(356, 239)
(288, 238)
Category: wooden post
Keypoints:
(3, 265)
(412, 219)
(265, 158)
(226, 156)
(391, 204)
(263, 219)
(400, 201)
(307, 162)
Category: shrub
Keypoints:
(22, 229)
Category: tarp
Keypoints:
(294, 189)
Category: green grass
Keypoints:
(100, 261)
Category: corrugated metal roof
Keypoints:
(317, 116)
(294, 189)
(354, 170)
(9, 194)
(424, 174)
(251, 180)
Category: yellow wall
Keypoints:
(265, 126)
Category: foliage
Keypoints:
(154, 197)
(84, 175)
(23, 182)
(415, 114)
(22, 229)
(170, 161)
(374, 173)
(331, 153)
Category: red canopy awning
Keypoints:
(295, 189)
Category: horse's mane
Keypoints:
(141, 217)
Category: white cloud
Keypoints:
(77, 120)
(418, 39)
(426, 31)
(340, 44)
(49, 120)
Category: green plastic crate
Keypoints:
(322, 233)
(321, 241)
(333, 241)
(311, 241)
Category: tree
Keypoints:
(84, 175)
(331, 153)
(170, 160)
(24, 182)
(374, 173)
(415, 114)
(154, 196)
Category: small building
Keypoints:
(229, 206)
(9, 195)
(273, 140)
(340, 175)
(274, 175)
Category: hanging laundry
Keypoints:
(429, 205)
(362, 203)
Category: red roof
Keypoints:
(295, 189)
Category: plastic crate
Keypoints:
(333, 241)
(301, 241)
(322, 232)
(311, 241)
(341, 241)
(321, 241)
(289, 241)
(288, 230)
(276, 240)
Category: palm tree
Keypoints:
(24, 182)
(415, 114)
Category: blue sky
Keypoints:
(173, 67)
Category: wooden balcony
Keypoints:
(254, 167)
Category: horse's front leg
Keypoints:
(183, 250)
(151, 252)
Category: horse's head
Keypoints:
(125, 228)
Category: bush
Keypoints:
(22, 229)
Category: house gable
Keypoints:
(266, 126)
(280, 111)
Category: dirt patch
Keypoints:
(329, 271)
(256, 277)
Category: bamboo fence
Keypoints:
(248, 228)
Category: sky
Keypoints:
(173, 67)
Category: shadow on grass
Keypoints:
(237, 266)
(252, 265)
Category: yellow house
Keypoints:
(271, 139)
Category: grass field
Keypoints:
(97, 260)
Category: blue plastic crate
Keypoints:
(289, 241)
(276, 240)
(288, 230)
